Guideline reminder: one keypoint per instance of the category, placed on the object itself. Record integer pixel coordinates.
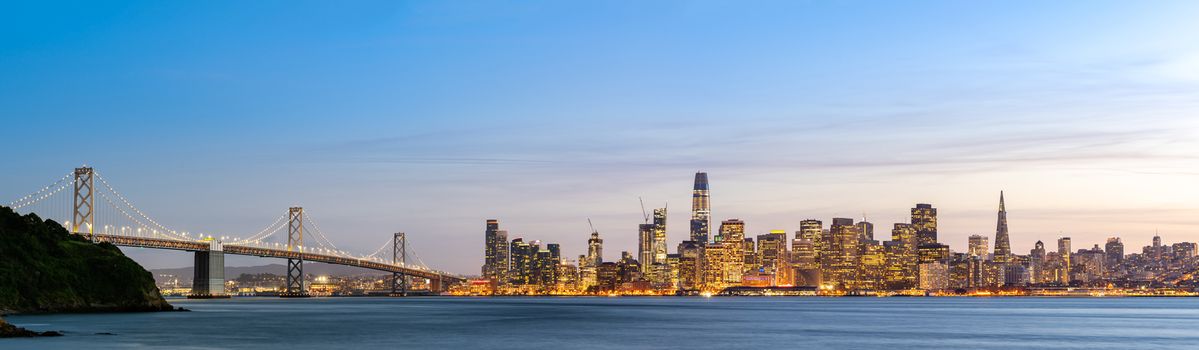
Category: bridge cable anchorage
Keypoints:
(130, 204)
(39, 194)
(266, 232)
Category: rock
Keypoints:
(10, 331)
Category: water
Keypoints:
(634, 323)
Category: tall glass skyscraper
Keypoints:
(495, 252)
(1003, 247)
(701, 209)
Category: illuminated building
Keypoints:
(840, 260)
(812, 231)
(977, 246)
(672, 262)
(772, 247)
(924, 221)
(721, 266)
(607, 276)
(902, 257)
(865, 230)
(701, 209)
(595, 250)
(1115, 254)
(659, 246)
(1183, 250)
(803, 262)
(932, 252)
(872, 267)
(749, 262)
(495, 252)
(645, 244)
(1036, 264)
(1015, 275)
(731, 230)
(690, 254)
(934, 276)
(1063, 252)
(1003, 247)
(1088, 265)
(523, 257)
(651, 248)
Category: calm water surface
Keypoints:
(634, 323)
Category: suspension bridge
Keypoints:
(102, 214)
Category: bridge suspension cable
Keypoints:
(129, 204)
(266, 232)
(42, 193)
(316, 230)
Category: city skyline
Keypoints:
(428, 118)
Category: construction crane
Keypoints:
(644, 214)
(592, 226)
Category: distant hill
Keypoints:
(311, 268)
(43, 268)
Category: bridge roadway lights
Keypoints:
(209, 278)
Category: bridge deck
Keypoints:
(160, 243)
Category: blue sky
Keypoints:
(430, 117)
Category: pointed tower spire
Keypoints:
(1003, 248)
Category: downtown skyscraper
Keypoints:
(1003, 247)
(701, 209)
(495, 252)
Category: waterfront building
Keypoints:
(840, 260)
(803, 263)
(749, 256)
(1003, 246)
(902, 258)
(934, 276)
(608, 276)
(523, 255)
(872, 267)
(772, 247)
(721, 266)
(701, 209)
(495, 252)
(924, 221)
(690, 255)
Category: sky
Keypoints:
(431, 117)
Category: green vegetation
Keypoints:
(43, 268)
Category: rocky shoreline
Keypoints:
(10, 331)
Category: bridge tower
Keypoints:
(399, 282)
(295, 243)
(84, 202)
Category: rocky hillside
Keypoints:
(45, 269)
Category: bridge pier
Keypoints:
(208, 280)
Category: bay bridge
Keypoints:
(117, 221)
